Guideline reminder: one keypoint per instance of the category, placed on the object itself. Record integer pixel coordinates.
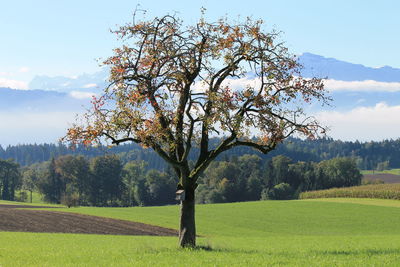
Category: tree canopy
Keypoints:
(172, 85)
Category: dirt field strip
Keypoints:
(18, 218)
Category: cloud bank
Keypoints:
(13, 84)
(82, 95)
(377, 122)
(330, 84)
(33, 127)
(361, 86)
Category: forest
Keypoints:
(128, 175)
(368, 155)
(106, 180)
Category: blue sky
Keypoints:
(66, 37)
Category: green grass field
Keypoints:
(391, 171)
(323, 232)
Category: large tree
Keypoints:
(174, 86)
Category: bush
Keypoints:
(22, 196)
(70, 200)
(281, 191)
(264, 194)
(215, 196)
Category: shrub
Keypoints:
(70, 200)
(281, 191)
(22, 196)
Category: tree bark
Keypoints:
(187, 231)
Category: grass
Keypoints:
(362, 201)
(266, 218)
(331, 232)
(391, 171)
(30, 204)
(383, 191)
(37, 198)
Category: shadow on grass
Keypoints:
(209, 248)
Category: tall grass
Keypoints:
(383, 191)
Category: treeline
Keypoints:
(368, 155)
(100, 181)
(248, 177)
(107, 181)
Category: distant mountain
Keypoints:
(86, 82)
(45, 111)
(314, 66)
(320, 66)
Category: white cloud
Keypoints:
(81, 95)
(13, 84)
(5, 73)
(330, 84)
(363, 123)
(24, 69)
(90, 85)
(367, 85)
(234, 84)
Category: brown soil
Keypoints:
(386, 177)
(15, 219)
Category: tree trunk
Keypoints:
(187, 231)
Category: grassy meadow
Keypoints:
(318, 232)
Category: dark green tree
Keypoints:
(10, 179)
(106, 181)
(51, 184)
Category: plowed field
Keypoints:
(19, 218)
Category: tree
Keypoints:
(339, 172)
(74, 172)
(10, 179)
(51, 184)
(133, 172)
(106, 180)
(161, 187)
(29, 180)
(173, 86)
